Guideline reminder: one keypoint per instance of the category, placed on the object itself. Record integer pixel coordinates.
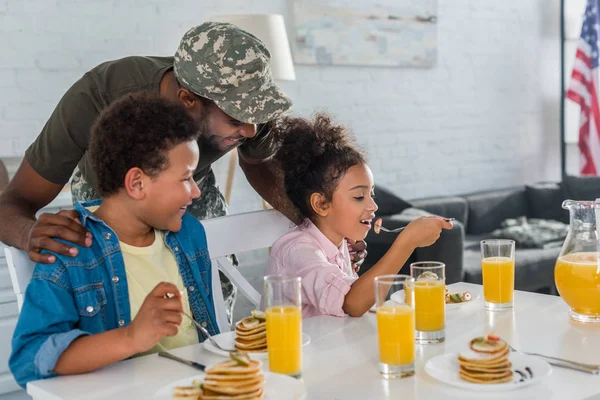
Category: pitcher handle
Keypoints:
(568, 203)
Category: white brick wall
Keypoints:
(487, 115)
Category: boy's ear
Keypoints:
(319, 204)
(135, 183)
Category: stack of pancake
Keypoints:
(234, 379)
(229, 380)
(486, 361)
(251, 333)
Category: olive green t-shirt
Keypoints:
(63, 142)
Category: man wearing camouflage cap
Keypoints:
(220, 73)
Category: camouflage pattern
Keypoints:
(210, 204)
(230, 66)
(81, 190)
(532, 232)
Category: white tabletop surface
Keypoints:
(341, 360)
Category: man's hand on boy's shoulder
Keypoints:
(160, 315)
(358, 252)
(63, 225)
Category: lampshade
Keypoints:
(270, 28)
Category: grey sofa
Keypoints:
(477, 215)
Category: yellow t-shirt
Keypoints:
(146, 267)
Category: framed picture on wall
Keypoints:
(396, 33)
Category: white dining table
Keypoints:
(341, 361)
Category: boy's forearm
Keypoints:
(89, 353)
(362, 293)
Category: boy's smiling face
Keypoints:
(167, 195)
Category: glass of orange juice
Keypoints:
(283, 309)
(395, 326)
(430, 300)
(498, 270)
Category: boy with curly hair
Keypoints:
(148, 262)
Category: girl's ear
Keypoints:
(319, 204)
(135, 180)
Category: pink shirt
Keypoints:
(325, 269)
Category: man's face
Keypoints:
(222, 132)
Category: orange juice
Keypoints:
(577, 277)
(284, 339)
(408, 295)
(430, 305)
(396, 330)
(498, 279)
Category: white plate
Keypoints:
(399, 297)
(454, 306)
(227, 340)
(277, 387)
(445, 368)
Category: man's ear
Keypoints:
(135, 183)
(188, 99)
(319, 204)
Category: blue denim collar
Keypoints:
(84, 213)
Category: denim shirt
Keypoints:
(87, 294)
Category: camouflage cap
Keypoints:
(230, 66)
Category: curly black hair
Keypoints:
(137, 130)
(314, 156)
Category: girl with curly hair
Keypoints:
(327, 178)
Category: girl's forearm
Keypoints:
(89, 353)
(362, 293)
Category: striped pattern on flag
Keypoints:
(583, 89)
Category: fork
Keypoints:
(561, 362)
(384, 229)
(381, 227)
(207, 334)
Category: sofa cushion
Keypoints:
(581, 187)
(544, 201)
(488, 209)
(449, 207)
(388, 203)
(532, 232)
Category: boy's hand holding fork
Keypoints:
(160, 315)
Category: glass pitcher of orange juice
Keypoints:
(577, 270)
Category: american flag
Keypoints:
(583, 89)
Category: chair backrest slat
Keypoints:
(243, 232)
(20, 268)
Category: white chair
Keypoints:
(20, 268)
(225, 235)
(236, 234)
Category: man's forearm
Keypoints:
(16, 221)
(266, 178)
